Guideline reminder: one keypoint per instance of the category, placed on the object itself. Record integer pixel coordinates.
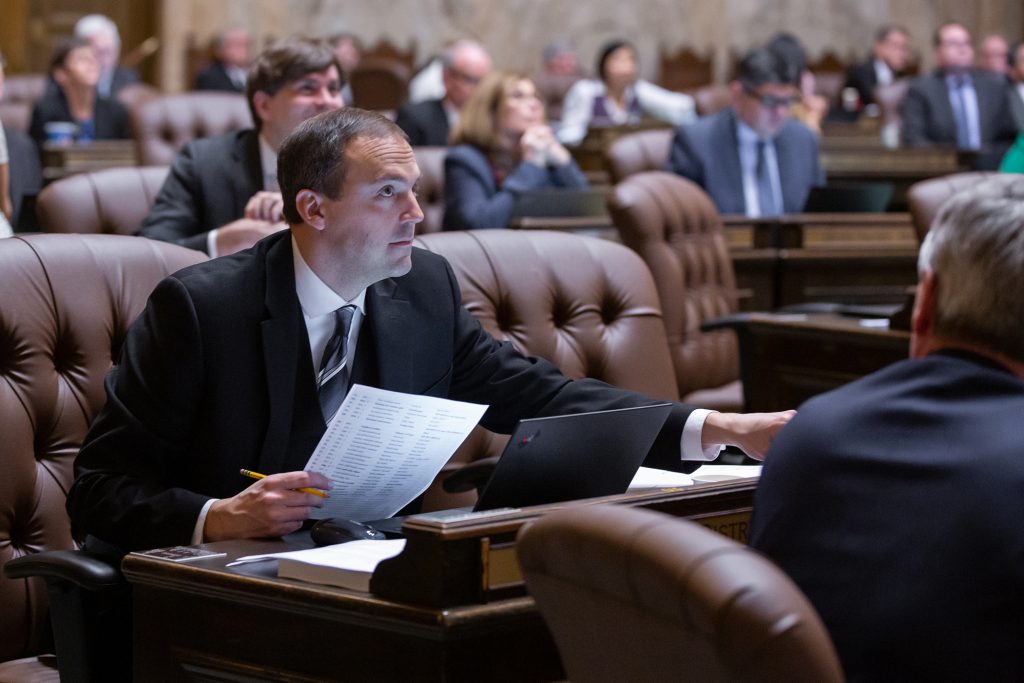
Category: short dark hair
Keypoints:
(313, 157)
(284, 62)
(789, 49)
(64, 48)
(763, 65)
(883, 32)
(606, 51)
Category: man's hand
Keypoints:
(752, 432)
(265, 206)
(244, 233)
(270, 507)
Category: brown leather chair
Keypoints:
(678, 232)
(16, 115)
(161, 125)
(635, 595)
(645, 150)
(380, 84)
(110, 201)
(712, 99)
(24, 88)
(431, 186)
(925, 197)
(587, 305)
(68, 300)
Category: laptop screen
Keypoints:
(568, 457)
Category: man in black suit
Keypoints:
(957, 105)
(230, 67)
(752, 158)
(218, 373)
(895, 502)
(222, 194)
(889, 57)
(428, 123)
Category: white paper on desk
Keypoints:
(383, 449)
(709, 473)
(650, 478)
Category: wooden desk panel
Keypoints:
(786, 359)
(208, 622)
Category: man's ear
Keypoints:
(922, 321)
(309, 205)
(260, 100)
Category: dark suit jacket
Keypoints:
(895, 503)
(26, 178)
(215, 77)
(209, 184)
(122, 77)
(425, 123)
(863, 78)
(216, 375)
(472, 198)
(1017, 107)
(927, 115)
(707, 152)
(109, 117)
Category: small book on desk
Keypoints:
(345, 565)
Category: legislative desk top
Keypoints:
(450, 607)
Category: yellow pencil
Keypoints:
(304, 489)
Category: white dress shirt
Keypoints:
(671, 107)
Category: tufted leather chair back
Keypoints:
(67, 302)
(678, 232)
(636, 595)
(163, 124)
(110, 201)
(380, 84)
(24, 88)
(587, 305)
(711, 99)
(926, 196)
(431, 186)
(645, 150)
(16, 115)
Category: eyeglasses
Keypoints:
(464, 77)
(771, 101)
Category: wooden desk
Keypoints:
(451, 607)
(867, 258)
(65, 160)
(786, 359)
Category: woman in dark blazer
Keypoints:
(503, 147)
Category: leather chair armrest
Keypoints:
(77, 567)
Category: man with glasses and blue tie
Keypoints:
(240, 362)
(958, 106)
(752, 158)
(427, 123)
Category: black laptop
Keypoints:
(849, 198)
(568, 457)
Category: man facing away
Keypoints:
(956, 105)
(222, 194)
(752, 158)
(894, 502)
(464, 65)
(220, 370)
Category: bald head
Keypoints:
(465, 63)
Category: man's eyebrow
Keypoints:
(395, 178)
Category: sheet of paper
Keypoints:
(383, 449)
(650, 478)
(356, 555)
(706, 473)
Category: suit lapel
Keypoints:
(945, 122)
(790, 162)
(393, 329)
(245, 157)
(282, 331)
(731, 158)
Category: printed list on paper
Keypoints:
(383, 449)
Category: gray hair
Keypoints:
(451, 53)
(91, 24)
(975, 248)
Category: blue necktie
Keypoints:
(332, 379)
(963, 131)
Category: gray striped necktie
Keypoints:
(332, 379)
(765, 194)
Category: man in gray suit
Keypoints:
(956, 105)
(752, 158)
(221, 195)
